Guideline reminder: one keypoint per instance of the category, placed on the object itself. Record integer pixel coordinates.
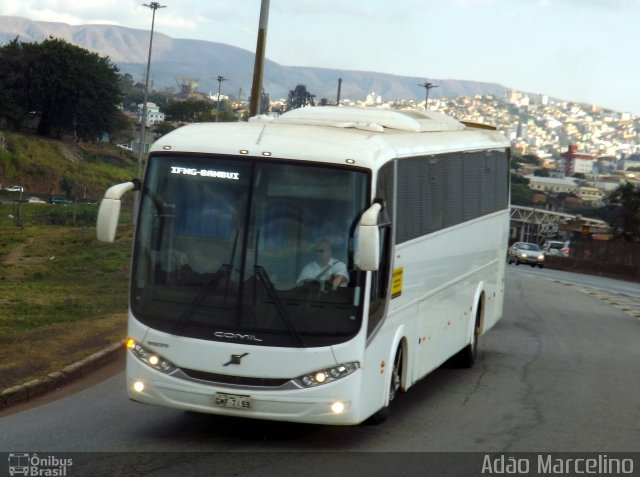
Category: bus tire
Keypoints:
(394, 388)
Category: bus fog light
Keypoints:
(337, 407)
(138, 386)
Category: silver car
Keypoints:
(552, 247)
(525, 252)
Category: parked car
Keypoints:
(525, 252)
(14, 188)
(552, 247)
(35, 200)
(60, 199)
(556, 248)
(126, 147)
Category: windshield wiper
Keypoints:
(263, 276)
(260, 272)
(224, 271)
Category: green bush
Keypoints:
(78, 215)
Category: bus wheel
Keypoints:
(394, 388)
(467, 356)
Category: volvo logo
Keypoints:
(235, 359)
(236, 336)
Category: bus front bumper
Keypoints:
(330, 404)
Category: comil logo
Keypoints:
(22, 463)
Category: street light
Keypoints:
(220, 79)
(427, 87)
(143, 123)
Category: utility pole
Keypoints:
(256, 88)
(220, 79)
(143, 122)
(427, 86)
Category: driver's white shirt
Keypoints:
(315, 271)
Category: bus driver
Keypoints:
(325, 268)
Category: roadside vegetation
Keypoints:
(64, 294)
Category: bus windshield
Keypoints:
(232, 249)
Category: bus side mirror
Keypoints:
(109, 211)
(369, 239)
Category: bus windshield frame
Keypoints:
(221, 244)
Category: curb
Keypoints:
(37, 387)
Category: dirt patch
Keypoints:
(71, 152)
(15, 255)
(36, 353)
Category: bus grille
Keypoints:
(234, 380)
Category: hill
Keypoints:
(175, 60)
(46, 166)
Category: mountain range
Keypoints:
(176, 62)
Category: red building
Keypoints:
(575, 161)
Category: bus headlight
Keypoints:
(323, 376)
(150, 358)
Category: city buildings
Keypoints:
(588, 151)
(154, 115)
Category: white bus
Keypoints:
(415, 209)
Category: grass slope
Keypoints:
(63, 294)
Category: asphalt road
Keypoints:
(559, 373)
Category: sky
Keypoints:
(577, 50)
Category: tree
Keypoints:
(527, 159)
(17, 62)
(521, 194)
(625, 216)
(78, 90)
(132, 93)
(68, 185)
(541, 173)
(190, 111)
(165, 127)
(71, 89)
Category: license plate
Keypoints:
(232, 400)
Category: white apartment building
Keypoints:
(154, 115)
(590, 194)
(582, 166)
(553, 185)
